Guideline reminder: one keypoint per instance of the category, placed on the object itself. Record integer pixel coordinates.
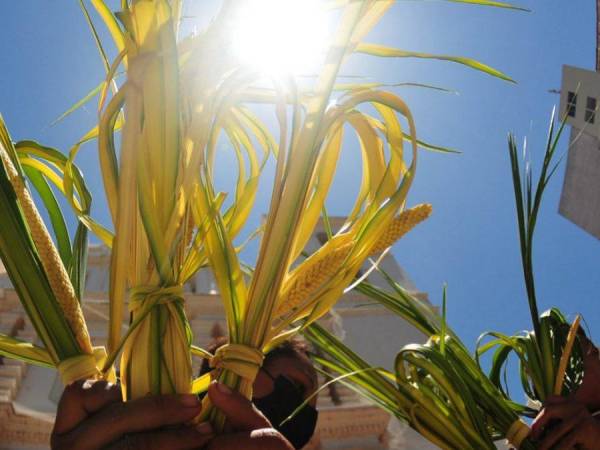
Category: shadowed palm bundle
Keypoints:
(437, 388)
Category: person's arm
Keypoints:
(567, 424)
(247, 427)
(92, 416)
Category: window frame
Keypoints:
(590, 111)
(571, 104)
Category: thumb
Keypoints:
(241, 414)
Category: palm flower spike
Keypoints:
(38, 271)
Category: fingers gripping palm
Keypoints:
(92, 416)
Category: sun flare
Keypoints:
(278, 36)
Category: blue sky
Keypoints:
(49, 61)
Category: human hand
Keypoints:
(588, 392)
(92, 416)
(247, 427)
(576, 428)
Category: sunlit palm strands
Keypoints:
(169, 220)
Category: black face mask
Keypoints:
(283, 401)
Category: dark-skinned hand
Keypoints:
(92, 416)
(565, 424)
(247, 428)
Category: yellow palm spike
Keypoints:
(401, 225)
(310, 276)
(57, 275)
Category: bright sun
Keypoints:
(277, 36)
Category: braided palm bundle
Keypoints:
(170, 112)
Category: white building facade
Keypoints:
(579, 102)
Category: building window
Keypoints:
(571, 103)
(590, 110)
